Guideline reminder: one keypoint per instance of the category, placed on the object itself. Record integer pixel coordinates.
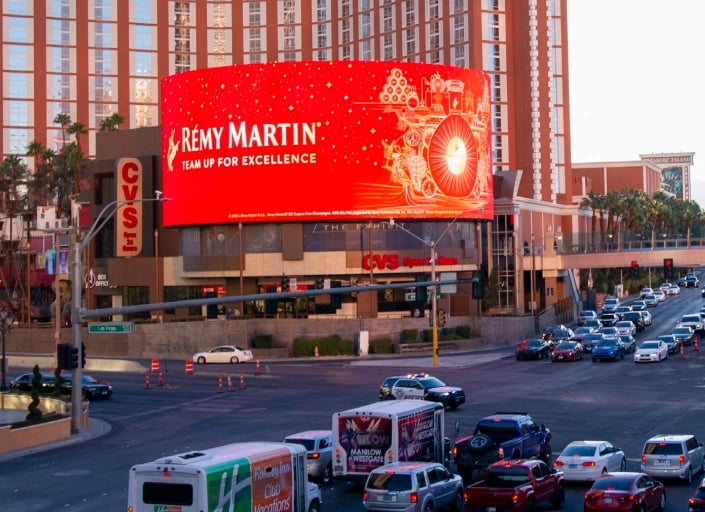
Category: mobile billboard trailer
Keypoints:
(380, 433)
(238, 477)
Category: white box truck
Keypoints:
(384, 432)
(238, 477)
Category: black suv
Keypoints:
(421, 386)
(636, 318)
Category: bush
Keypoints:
(381, 346)
(409, 336)
(328, 346)
(263, 341)
(463, 332)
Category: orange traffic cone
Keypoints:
(258, 371)
(230, 384)
(242, 381)
(682, 352)
(220, 383)
(160, 382)
(695, 345)
(146, 380)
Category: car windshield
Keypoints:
(309, 444)
(607, 483)
(661, 448)
(392, 482)
(566, 346)
(649, 345)
(667, 338)
(432, 382)
(578, 451)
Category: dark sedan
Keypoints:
(23, 382)
(696, 503)
(567, 351)
(673, 344)
(533, 349)
(92, 388)
(625, 491)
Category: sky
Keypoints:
(637, 81)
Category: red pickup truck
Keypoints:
(515, 485)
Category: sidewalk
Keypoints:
(96, 428)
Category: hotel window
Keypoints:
(388, 47)
(17, 30)
(387, 17)
(18, 113)
(220, 35)
(143, 37)
(60, 32)
(345, 30)
(18, 85)
(60, 9)
(410, 32)
(17, 57)
(20, 7)
(144, 11)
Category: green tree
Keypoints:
(111, 123)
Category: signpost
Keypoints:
(110, 328)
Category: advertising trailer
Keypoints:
(373, 435)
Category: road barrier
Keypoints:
(258, 371)
(220, 383)
(146, 380)
(155, 365)
(230, 384)
(242, 381)
(189, 367)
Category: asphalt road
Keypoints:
(621, 402)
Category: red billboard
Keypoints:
(306, 141)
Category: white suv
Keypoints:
(319, 450)
(413, 487)
(673, 456)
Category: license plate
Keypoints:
(572, 466)
(388, 497)
(560, 357)
(606, 500)
(662, 461)
(491, 509)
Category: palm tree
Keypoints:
(63, 120)
(13, 173)
(111, 123)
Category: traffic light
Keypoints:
(83, 355)
(477, 291)
(668, 269)
(63, 356)
(285, 283)
(635, 269)
(441, 317)
(73, 358)
(319, 283)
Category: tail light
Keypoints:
(364, 496)
(500, 452)
(589, 464)
(314, 455)
(558, 463)
(414, 497)
(681, 459)
(515, 498)
(643, 459)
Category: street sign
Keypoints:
(110, 328)
(449, 288)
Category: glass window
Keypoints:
(143, 37)
(18, 7)
(17, 57)
(18, 85)
(144, 63)
(18, 113)
(17, 30)
(143, 11)
(59, 32)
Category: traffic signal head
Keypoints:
(63, 356)
(635, 268)
(668, 268)
(83, 355)
(441, 317)
(73, 361)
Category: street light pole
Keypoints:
(77, 248)
(431, 244)
(6, 320)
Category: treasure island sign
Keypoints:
(311, 141)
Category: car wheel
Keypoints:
(314, 507)
(327, 474)
(479, 444)
(234, 360)
(558, 499)
(689, 476)
(459, 501)
(662, 501)
(428, 507)
(201, 360)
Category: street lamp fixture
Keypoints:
(431, 244)
(77, 248)
(6, 319)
